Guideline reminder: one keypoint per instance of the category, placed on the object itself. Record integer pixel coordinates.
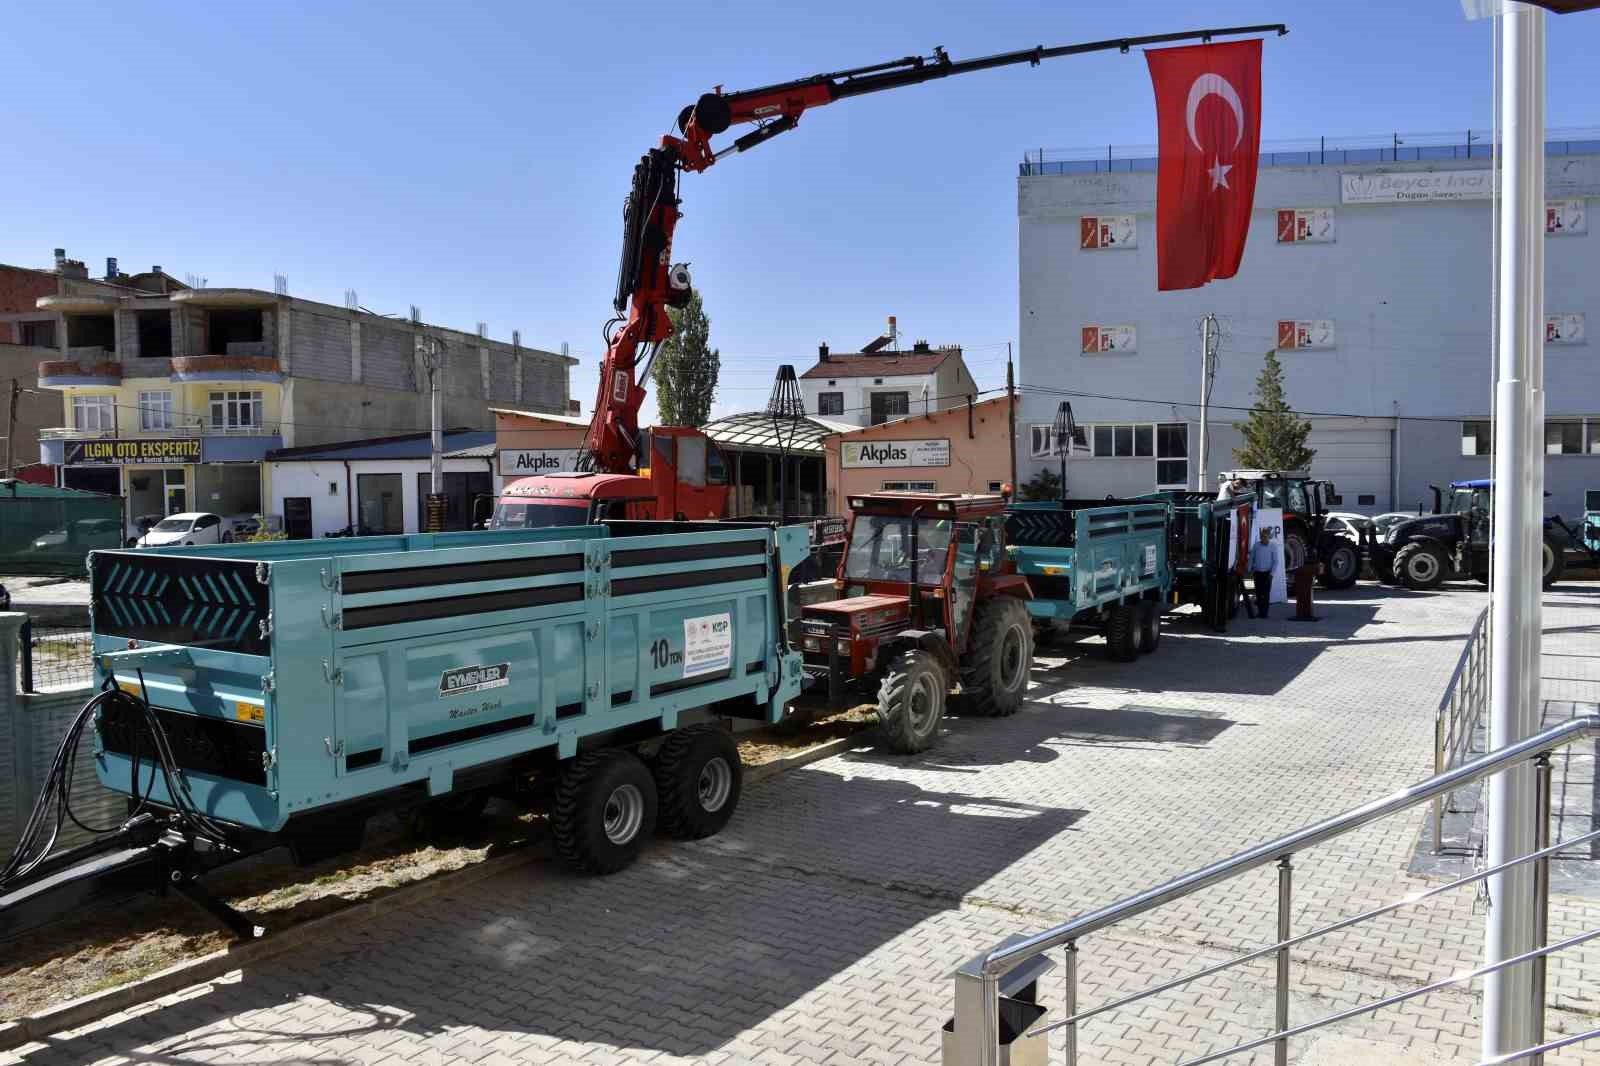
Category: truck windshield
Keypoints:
(519, 515)
(880, 547)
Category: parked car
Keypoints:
(86, 532)
(139, 527)
(193, 527)
(241, 528)
(1348, 523)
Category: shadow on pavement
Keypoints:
(681, 953)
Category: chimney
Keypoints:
(111, 268)
(61, 258)
(822, 352)
(894, 334)
(920, 346)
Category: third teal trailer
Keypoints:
(1098, 563)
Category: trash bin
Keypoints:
(1017, 1016)
(1019, 1012)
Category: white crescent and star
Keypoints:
(1208, 85)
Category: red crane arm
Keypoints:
(648, 283)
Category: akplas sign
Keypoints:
(882, 454)
(521, 462)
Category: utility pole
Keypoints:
(1011, 414)
(431, 351)
(1510, 1018)
(1208, 373)
(11, 426)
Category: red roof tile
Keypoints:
(897, 364)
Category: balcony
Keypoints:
(62, 373)
(225, 298)
(230, 367)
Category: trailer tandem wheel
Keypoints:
(1122, 632)
(1149, 626)
(698, 780)
(605, 808)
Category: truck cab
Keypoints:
(686, 477)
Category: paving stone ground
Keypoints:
(822, 925)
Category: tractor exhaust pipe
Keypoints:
(915, 597)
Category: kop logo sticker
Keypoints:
(461, 680)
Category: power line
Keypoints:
(1048, 390)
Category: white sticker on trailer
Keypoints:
(1149, 559)
(707, 644)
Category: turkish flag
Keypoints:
(1208, 111)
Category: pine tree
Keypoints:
(687, 367)
(1274, 438)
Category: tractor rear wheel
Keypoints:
(1420, 566)
(605, 810)
(1295, 552)
(1149, 626)
(911, 701)
(1341, 566)
(1122, 633)
(995, 675)
(698, 779)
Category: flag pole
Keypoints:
(1514, 711)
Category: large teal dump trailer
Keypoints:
(280, 693)
(1099, 563)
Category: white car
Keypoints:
(194, 527)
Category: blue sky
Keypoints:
(472, 158)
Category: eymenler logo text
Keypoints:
(463, 679)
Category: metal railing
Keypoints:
(977, 1022)
(1461, 708)
(1313, 151)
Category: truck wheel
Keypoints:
(1294, 550)
(1149, 626)
(911, 701)
(605, 809)
(1341, 566)
(698, 778)
(1420, 566)
(1122, 633)
(1555, 563)
(995, 674)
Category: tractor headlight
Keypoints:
(813, 644)
(844, 647)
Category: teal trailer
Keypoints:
(280, 693)
(1099, 563)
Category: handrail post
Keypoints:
(1071, 1005)
(1541, 893)
(1438, 768)
(25, 642)
(1280, 1047)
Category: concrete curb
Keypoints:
(100, 1005)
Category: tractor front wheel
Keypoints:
(1554, 563)
(1342, 565)
(911, 701)
(995, 674)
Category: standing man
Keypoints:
(1263, 560)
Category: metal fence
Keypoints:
(52, 531)
(1379, 148)
(52, 657)
(1461, 711)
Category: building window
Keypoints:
(1563, 438)
(1124, 442)
(1172, 454)
(909, 486)
(830, 403)
(887, 405)
(94, 413)
(233, 326)
(994, 486)
(235, 411)
(39, 334)
(1366, 499)
(155, 334)
(92, 331)
(155, 410)
(1474, 438)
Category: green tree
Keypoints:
(687, 366)
(1046, 485)
(1274, 436)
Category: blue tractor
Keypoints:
(1453, 542)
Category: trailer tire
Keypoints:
(698, 780)
(1420, 566)
(1554, 562)
(605, 809)
(1341, 565)
(911, 701)
(995, 675)
(1122, 633)
(1149, 626)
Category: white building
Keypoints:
(1370, 277)
(378, 486)
(875, 385)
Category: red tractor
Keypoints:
(925, 604)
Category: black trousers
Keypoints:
(1263, 590)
